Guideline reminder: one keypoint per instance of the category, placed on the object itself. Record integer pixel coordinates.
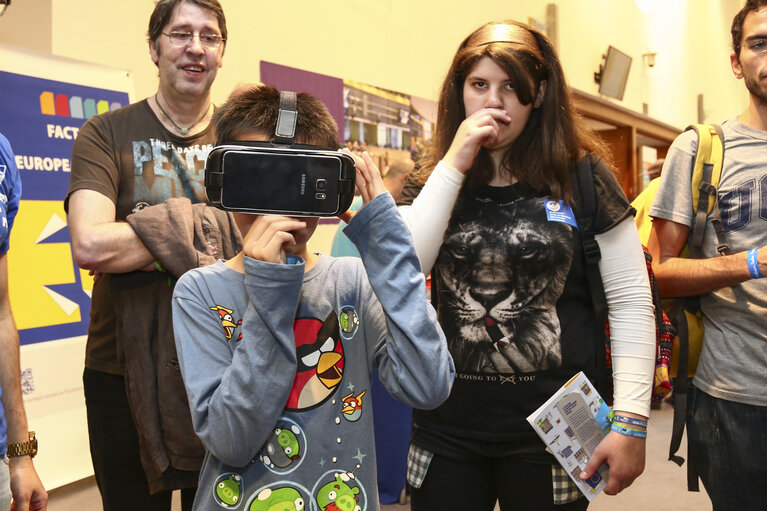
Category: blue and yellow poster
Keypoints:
(49, 294)
(44, 100)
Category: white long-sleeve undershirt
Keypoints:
(624, 276)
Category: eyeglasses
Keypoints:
(184, 38)
(4, 5)
(758, 46)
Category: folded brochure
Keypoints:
(572, 423)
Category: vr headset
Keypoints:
(280, 177)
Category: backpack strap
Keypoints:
(718, 161)
(660, 326)
(706, 174)
(681, 389)
(585, 214)
(681, 383)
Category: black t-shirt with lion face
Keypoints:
(510, 289)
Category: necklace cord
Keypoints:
(183, 131)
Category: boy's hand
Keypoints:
(368, 182)
(267, 237)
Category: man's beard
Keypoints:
(755, 88)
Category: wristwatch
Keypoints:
(24, 448)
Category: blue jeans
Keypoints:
(728, 447)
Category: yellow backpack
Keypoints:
(705, 178)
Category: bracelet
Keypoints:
(753, 264)
(158, 266)
(623, 430)
(630, 420)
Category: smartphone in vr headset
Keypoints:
(269, 178)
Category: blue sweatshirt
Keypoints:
(277, 364)
(10, 195)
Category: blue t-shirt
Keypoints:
(10, 192)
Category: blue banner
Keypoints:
(50, 296)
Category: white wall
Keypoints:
(692, 42)
(406, 45)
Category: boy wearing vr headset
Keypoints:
(277, 345)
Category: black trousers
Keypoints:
(115, 449)
(476, 485)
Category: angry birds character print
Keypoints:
(228, 490)
(227, 321)
(348, 321)
(278, 499)
(285, 447)
(341, 494)
(320, 362)
(351, 406)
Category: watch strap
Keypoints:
(28, 448)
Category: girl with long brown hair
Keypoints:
(495, 224)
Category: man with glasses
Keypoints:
(124, 161)
(727, 406)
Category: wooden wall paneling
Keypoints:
(622, 142)
(625, 131)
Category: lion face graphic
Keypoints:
(502, 273)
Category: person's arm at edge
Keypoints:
(100, 243)
(631, 316)
(27, 489)
(632, 342)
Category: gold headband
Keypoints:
(503, 33)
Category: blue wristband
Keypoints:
(753, 264)
(624, 430)
(630, 420)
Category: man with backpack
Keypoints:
(727, 404)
